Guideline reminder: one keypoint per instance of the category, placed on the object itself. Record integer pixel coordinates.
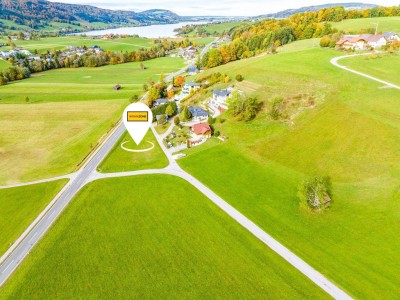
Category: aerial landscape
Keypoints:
(186, 150)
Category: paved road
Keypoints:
(335, 60)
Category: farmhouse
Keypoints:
(188, 88)
(198, 114)
(202, 130)
(361, 42)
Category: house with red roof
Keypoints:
(202, 130)
(361, 42)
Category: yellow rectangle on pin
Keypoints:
(138, 116)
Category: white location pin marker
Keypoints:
(137, 119)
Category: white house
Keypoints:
(188, 88)
(391, 36)
(220, 96)
(375, 40)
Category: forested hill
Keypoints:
(290, 12)
(32, 12)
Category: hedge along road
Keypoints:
(88, 173)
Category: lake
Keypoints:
(152, 31)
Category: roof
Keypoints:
(192, 84)
(374, 37)
(350, 39)
(221, 93)
(193, 69)
(201, 129)
(389, 34)
(197, 111)
(161, 101)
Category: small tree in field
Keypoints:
(27, 99)
(315, 192)
(239, 77)
(170, 110)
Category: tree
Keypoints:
(21, 36)
(171, 94)
(239, 77)
(162, 119)
(244, 109)
(315, 192)
(325, 41)
(177, 121)
(145, 87)
(134, 98)
(185, 115)
(142, 67)
(170, 110)
(179, 81)
(26, 99)
(210, 120)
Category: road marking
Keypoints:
(33, 237)
(9, 265)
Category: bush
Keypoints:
(210, 120)
(217, 134)
(177, 121)
(315, 192)
(239, 77)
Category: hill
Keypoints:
(35, 12)
(290, 12)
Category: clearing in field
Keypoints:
(68, 111)
(351, 134)
(163, 242)
(120, 160)
(19, 206)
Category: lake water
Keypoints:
(152, 31)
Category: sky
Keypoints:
(215, 7)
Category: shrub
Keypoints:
(315, 192)
(239, 77)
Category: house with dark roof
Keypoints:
(192, 70)
(220, 96)
(160, 101)
(198, 114)
(391, 37)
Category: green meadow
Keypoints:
(382, 66)
(19, 206)
(123, 238)
(354, 25)
(120, 160)
(68, 112)
(351, 133)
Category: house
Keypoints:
(353, 42)
(192, 70)
(160, 101)
(117, 87)
(391, 37)
(161, 119)
(374, 40)
(198, 114)
(188, 88)
(202, 130)
(220, 96)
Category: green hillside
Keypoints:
(351, 133)
(384, 24)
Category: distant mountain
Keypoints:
(32, 12)
(289, 12)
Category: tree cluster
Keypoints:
(169, 109)
(243, 108)
(316, 192)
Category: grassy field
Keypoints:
(120, 160)
(4, 64)
(68, 112)
(351, 134)
(162, 128)
(123, 238)
(20, 206)
(385, 66)
(354, 25)
(58, 43)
